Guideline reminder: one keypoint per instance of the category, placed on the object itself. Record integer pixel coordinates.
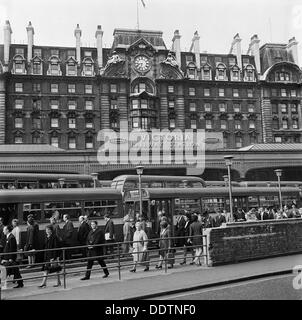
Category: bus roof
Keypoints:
(44, 195)
(194, 193)
(159, 178)
(41, 176)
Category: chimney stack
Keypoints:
(78, 34)
(176, 46)
(292, 48)
(99, 45)
(30, 41)
(236, 49)
(196, 48)
(254, 51)
(7, 41)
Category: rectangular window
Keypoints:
(193, 124)
(89, 123)
(235, 74)
(294, 108)
(171, 123)
(283, 93)
(36, 123)
(206, 74)
(278, 139)
(19, 51)
(38, 53)
(113, 104)
(54, 69)
(222, 107)
(275, 124)
(144, 104)
(207, 107)
(36, 139)
(208, 124)
(72, 143)
(18, 123)
(203, 59)
(171, 104)
(54, 141)
(218, 59)
(113, 88)
(71, 88)
(71, 70)
(283, 108)
(88, 88)
(191, 73)
(54, 104)
(236, 108)
(245, 61)
(71, 54)
(89, 142)
(87, 54)
(72, 105)
(293, 93)
(19, 104)
(295, 124)
(88, 105)
(189, 59)
(37, 68)
(54, 88)
(232, 61)
(36, 87)
(18, 87)
(251, 108)
(88, 69)
(72, 123)
(144, 123)
(206, 92)
(191, 91)
(192, 106)
(135, 122)
(237, 125)
(18, 140)
(274, 93)
(170, 89)
(238, 141)
(54, 52)
(250, 93)
(252, 125)
(235, 93)
(221, 92)
(284, 124)
(37, 104)
(223, 124)
(114, 124)
(135, 104)
(54, 123)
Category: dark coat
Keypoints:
(180, 230)
(83, 232)
(265, 216)
(10, 246)
(32, 237)
(93, 238)
(196, 230)
(51, 242)
(164, 242)
(67, 233)
(109, 228)
(219, 220)
(2, 239)
(208, 222)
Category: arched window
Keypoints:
(37, 66)
(206, 72)
(235, 73)
(249, 73)
(88, 67)
(221, 72)
(142, 86)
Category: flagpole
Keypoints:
(137, 14)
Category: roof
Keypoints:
(20, 176)
(28, 148)
(270, 147)
(160, 178)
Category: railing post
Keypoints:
(207, 261)
(166, 265)
(64, 269)
(119, 261)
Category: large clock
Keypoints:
(142, 63)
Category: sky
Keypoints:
(217, 21)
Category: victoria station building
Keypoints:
(54, 101)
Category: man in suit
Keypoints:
(195, 234)
(109, 233)
(219, 219)
(2, 236)
(67, 235)
(83, 232)
(180, 228)
(95, 236)
(9, 260)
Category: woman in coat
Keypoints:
(196, 238)
(165, 244)
(140, 247)
(32, 239)
(51, 257)
(187, 243)
(127, 232)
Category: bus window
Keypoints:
(8, 212)
(32, 208)
(130, 184)
(51, 207)
(156, 184)
(210, 204)
(99, 208)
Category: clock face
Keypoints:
(141, 63)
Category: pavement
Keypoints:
(154, 283)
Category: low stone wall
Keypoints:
(234, 242)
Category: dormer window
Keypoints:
(38, 53)
(37, 66)
(221, 72)
(88, 70)
(249, 73)
(19, 51)
(19, 64)
(235, 73)
(282, 76)
(54, 66)
(206, 73)
(191, 73)
(189, 59)
(71, 67)
(191, 70)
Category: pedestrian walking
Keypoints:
(165, 245)
(196, 238)
(180, 228)
(9, 257)
(67, 235)
(32, 240)
(128, 233)
(140, 247)
(83, 232)
(95, 237)
(187, 244)
(109, 234)
(56, 229)
(51, 257)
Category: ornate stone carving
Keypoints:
(170, 69)
(114, 66)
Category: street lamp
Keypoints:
(139, 171)
(94, 176)
(226, 179)
(279, 174)
(61, 182)
(228, 162)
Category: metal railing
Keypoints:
(117, 260)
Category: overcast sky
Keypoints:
(217, 21)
